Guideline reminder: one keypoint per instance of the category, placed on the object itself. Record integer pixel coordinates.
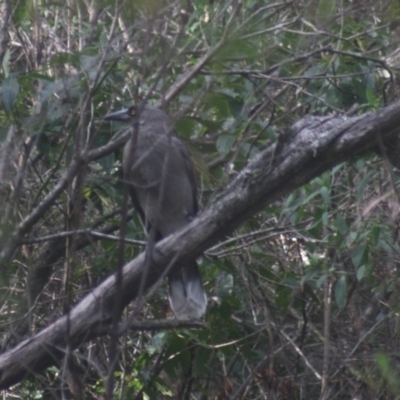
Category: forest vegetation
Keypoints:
(290, 111)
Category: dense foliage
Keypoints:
(303, 297)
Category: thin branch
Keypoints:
(5, 13)
(87, 232)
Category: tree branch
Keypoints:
(5, 15)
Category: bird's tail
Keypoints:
(187, 297)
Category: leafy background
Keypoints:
(304, 296)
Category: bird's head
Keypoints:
(143, 115)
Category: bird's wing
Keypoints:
(189, 170)
(129, 158)
(135, 202)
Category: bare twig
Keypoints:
(5, 13)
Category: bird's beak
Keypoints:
(121, 115)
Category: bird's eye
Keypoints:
(132, 112)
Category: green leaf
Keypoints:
(211, 125)
(370, 96)
(320, 281)
(341, 224)
(363, 184)
(90, 65)
(283, 297)
(341, 292)
(23, 12)
(357, 255)
(325, 218)
(383, 362)
(361, 272)
(325, 195)
(162, 387)
(108, 163)
(225, 143)
(9, 91)
(6, 65)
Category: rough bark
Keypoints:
(310, 147)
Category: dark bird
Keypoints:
(162, 185)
